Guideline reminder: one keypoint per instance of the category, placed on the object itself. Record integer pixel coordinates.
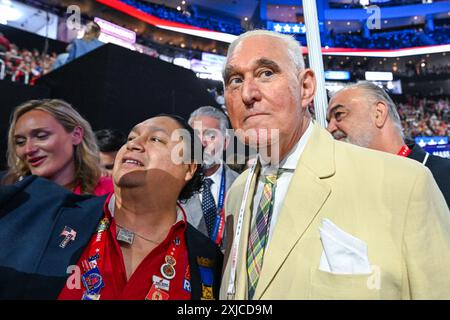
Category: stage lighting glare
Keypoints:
(423, 64)
(183, 2)
(9, 13)
(179, 8)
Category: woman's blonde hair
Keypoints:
(86, 154)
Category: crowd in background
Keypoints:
(187, 17)
(425, 117)
(26, 66)
(392, 39)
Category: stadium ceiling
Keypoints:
(236, 8)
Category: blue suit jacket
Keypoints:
(34, 211)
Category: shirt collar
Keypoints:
(216, 176)
(291, 159)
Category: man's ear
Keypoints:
(77, 135)
(307, 80)
(192, 168)
(381, 114)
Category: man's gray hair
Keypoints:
(212, 112)
(294, 48)
(376, 94)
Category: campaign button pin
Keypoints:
(168, 271)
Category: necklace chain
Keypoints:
(137, 234)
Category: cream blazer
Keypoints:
(391, 203)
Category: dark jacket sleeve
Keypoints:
(201, 248)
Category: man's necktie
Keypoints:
(208, 205)
(259, 234)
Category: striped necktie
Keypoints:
(259, 234)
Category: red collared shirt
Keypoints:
(137, 287)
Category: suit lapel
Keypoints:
(306, 195)
(229, 176)
(195, 214)
(83, 219)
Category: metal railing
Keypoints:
(2, 69)
(26, 74)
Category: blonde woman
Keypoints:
(49, 138)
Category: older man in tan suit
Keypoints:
(329, 220)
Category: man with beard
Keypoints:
(363, 114)
(134, 244)
(205, 210)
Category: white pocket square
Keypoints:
(342, 252)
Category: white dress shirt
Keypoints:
(289, 164)
(216, 178)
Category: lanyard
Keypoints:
(92, 279)
(219, 222)
(404, 151)
(231, 290)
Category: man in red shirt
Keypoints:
(138, 246)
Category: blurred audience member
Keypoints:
(88, 43)
(5, 45)
(51, 139)
(205, 211)
(365, 115)
(109, 142)
(61, 59)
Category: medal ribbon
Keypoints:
(167, 269)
